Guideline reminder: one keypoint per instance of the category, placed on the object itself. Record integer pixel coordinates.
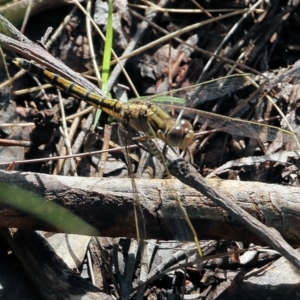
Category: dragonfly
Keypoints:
(174, 132)
(157, 123)
(151, 119)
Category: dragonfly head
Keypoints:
(180, 134)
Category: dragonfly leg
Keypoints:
(142, 138)
(161, 135)
(190, 155)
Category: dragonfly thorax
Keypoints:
(180, 134)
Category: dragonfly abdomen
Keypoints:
(110, 106)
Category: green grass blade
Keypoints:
(106, 56)
(47, 211)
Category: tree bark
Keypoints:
(107, 204)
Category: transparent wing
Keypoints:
(125, 138)
(202, 92)
(218, 88)
(236, 126)
(212, 90)
(182, 228)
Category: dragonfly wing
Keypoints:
(238, 127)
(125, 139)
(180, 227)
(199, 93)
(216, 89)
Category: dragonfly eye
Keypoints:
(181, 135)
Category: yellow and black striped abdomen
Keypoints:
(110, 106)
(136, 112)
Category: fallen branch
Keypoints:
(187, 174)
(107, 204)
